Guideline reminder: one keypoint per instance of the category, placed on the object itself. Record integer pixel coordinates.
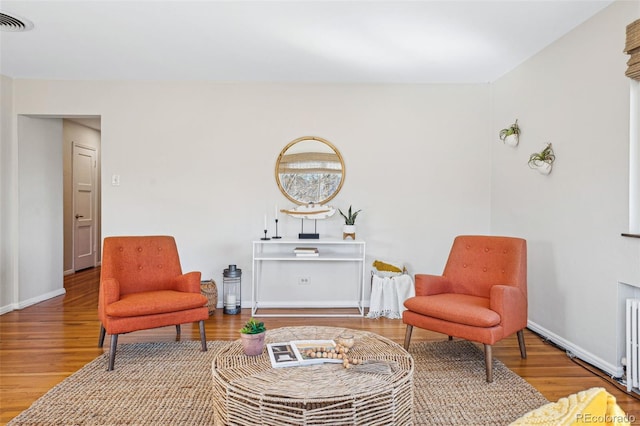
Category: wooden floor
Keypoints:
(44, 343)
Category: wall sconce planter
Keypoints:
(543, 161)
(511, 135)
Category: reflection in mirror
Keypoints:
(310, 170)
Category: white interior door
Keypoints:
(84, 207)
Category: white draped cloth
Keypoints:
(388, 295)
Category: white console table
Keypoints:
(330, 252)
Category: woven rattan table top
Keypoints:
(248, 386)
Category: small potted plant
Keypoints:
(252, 336)
(349, 229)
(511, 135)
(543, 160)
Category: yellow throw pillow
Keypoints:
(593, 406)
(387, 266)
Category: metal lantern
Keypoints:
(231, 283)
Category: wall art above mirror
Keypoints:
(310, 170)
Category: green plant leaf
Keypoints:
(253, 327)
(546, 155)
(350, 217)
(513, 129)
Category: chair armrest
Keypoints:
(189, 282)
(109, 291)
(427, 285)
(511, 303)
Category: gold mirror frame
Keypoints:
(310, 170)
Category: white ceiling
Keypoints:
(283, 41)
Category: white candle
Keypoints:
(276, 216)
(231, 300)
(265, 221)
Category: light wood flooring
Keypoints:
(45, 343)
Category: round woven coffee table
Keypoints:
(249, 391)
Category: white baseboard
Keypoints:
(7, 308)
(72, 271)
(295, 305)
(23, 304)
(577, 351)
(41, 298)
(307, 304)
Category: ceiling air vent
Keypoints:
(14, 23)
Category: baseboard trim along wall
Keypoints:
(41, 298)
(578, 352)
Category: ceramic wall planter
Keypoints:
(252, 344)
(511, 135)
(543, 161)
(512, 140)
(542, 167)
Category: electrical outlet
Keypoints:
(304, 280)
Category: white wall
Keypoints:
(40, 206)
(7, 254)
(573, 94)
(196, 160)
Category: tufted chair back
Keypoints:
(144, 263)
(478, 262)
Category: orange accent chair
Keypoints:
(481, 295)
(142, 286)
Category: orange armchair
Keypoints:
(142, 287)
(481, 295)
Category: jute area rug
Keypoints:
(169, 383)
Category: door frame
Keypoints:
(94, 206)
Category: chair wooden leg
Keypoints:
(523, 349)
(103, 332)
(407, 337)
(178, 329)
(488, 360)
(203, 337)
(112, 353)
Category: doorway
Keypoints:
(82, 193)
(41, 204)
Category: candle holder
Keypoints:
(231, 287)
(265, 236)
(275, 237)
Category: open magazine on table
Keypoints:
(297, 353)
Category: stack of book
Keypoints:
(306, 251)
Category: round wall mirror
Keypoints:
(310, 170)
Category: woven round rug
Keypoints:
(170, 383)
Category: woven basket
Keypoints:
(209, 289)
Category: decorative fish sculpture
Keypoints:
(311, 211)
